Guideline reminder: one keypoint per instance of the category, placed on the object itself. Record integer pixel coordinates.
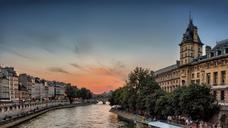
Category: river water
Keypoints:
(91, 116)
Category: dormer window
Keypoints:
(219, 52)
(212, 54)
(226, 50)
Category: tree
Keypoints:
(197, 102)
(151, 100)
(142, 84)
(143, 95)
(164, 106)
(71, 92)
(133, 96)
(84, 93)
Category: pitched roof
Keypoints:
(191, 34)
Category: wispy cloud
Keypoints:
(45, 40)
(75, 65)
(23, 56)
(4, 49)
(58, 70)
(82, 46)
(117, 69)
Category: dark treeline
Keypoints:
(142, 95)
(74, 92)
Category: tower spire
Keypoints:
(190, 17)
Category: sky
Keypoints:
(96, 43)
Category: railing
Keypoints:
(13, 110)
(223, 103)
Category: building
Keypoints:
(59, 90)
(27, 82)
(44, 90)
(11, 75)
(23, 93)
(4, 88)
(36, 89)
(193, 67)
(51, 90)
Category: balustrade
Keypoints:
(12, 110)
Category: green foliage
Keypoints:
(84, 93)
(197, 102)
(71, 92)
(138, 93)
(164, 106)
(151, 100)
(143, 95)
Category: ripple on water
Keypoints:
(91, 116)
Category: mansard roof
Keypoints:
(221, 44)
(166, 69)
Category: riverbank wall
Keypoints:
(137, 120)
(20, 119)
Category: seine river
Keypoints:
(91, 116)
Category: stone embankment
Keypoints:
(18, 114)
(137, 120)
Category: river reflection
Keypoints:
(91, 116)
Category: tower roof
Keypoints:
(191, 34)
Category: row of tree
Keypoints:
(74, 92)
(143, 95)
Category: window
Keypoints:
(226, 50)
(222, 95)
(208, 65)
(223, 77)
(219, 52)
(198, 81)
(215, 94)
(192, 75)
(192, 81)
(198, 75)
(183, 82)
(208, 78)
(223, 62)
(216, 63)
(215, 78)
(212, 54)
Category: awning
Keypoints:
(162, 125)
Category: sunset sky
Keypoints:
(96, 43)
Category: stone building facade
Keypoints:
(209, 70)
(10, 74)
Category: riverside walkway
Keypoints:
(14, 113)
(141, 121)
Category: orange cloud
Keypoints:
(97, 79)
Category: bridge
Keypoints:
(102, 98)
